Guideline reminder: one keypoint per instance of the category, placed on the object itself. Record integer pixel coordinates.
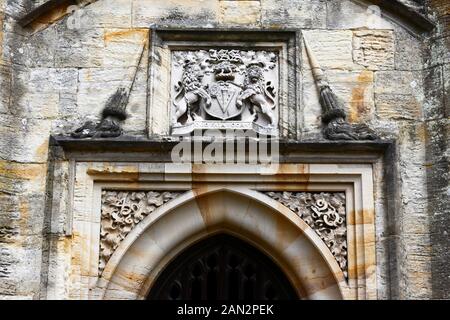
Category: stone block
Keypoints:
(23, 139)
(40, 49)
(122, 47)
(355, 15)
(51, 80)
(26, 271)
(39, 105)
(437, 141)
(398, 95)
(96, 86)
(200, 13)
(109, 13)
(246, 13)
(434, 104)
(333, 49)
(137, 105)
(417, 267)
(33, 51)
(293, 14)
(44, 87)
(311, 108)
(67, 104)
(398, 107)
(439, 52)
(22, 178)
(408, 50)
(412, 137)
(354, 89)
(64, 75)
(79, 48)
(374, 49)
(14, 48)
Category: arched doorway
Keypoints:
(222, 267)
(160, 238)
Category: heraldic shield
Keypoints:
(224, 95)
(224, 89)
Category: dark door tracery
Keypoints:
(222, 268)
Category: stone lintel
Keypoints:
(134, 148)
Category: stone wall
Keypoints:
(23, 163)
(61, 69)
(437, 85)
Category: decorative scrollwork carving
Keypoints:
(121, 212)
(325, 213)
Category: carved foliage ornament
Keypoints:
(224, 86)
(121, 212)
(325, 213)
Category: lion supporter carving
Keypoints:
(225, 89)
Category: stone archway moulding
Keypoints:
(231, 211)
(218, 198)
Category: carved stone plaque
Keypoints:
(225, 89)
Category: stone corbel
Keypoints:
(334, 118)
(114, 113)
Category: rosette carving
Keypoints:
(121, 212)
(325, 213)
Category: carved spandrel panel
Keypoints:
(325, 213)
(225, 89)
(121, 212)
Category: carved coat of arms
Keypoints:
(216, 88)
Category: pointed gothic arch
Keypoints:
(222, 267)
(247, 215)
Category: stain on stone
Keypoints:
(42, 150)
(298, 173)
(174, 15)
(52, 16)
(359, 108)
(125, 35)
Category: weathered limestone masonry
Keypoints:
(436, 119)
(388, 64)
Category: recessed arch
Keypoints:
(222, 267)
(246, 214)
